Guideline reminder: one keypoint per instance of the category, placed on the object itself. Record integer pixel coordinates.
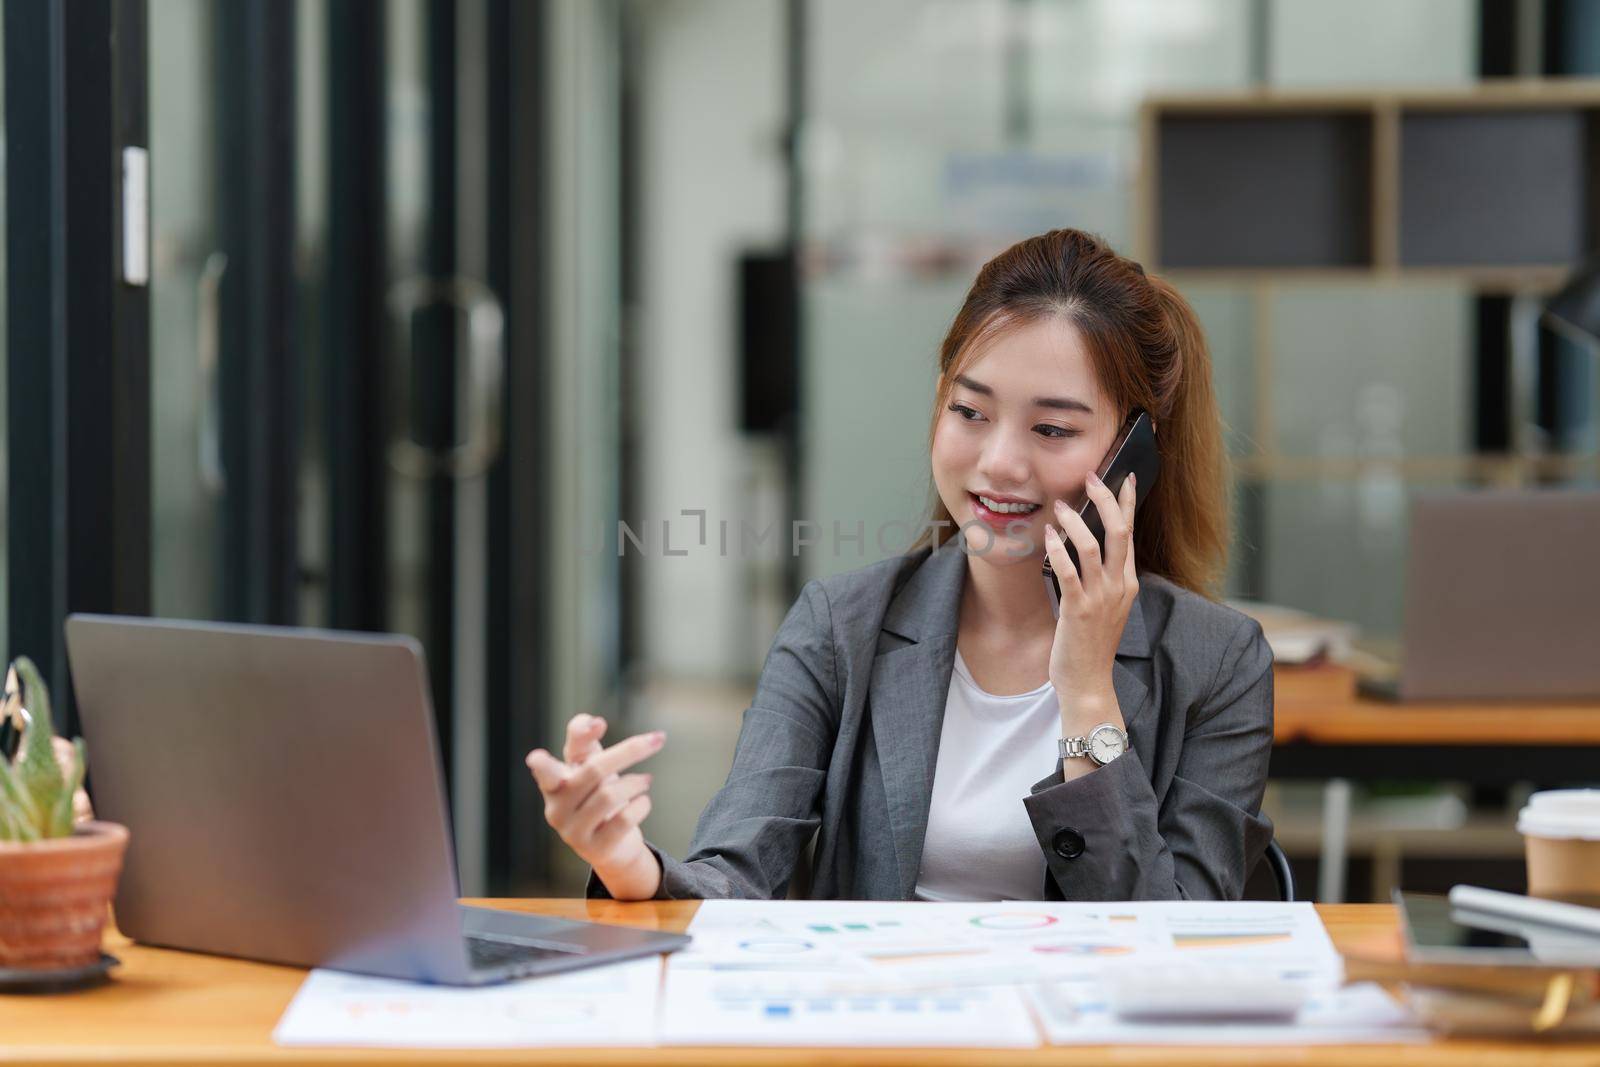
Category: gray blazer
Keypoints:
(842, 736)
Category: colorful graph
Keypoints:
(1229, 940)
(786, 1009)
(1013, 920)
(1082, 948)
(776, 946)
(922, 953)
(855, 927)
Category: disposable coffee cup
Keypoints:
(1561, 831)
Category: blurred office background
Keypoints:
(439, 292)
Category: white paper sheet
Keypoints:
(898, 945)
(613, 1004)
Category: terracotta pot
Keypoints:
(55, 897)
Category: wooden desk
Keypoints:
(169, 1007)
(1322, 729)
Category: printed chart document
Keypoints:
(613, 1004)
(963, 975)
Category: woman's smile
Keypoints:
(1003, 513)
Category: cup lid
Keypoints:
(1562, 813)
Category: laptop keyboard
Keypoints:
(486, 952)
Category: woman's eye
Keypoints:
(1055, 433)
(964, 411)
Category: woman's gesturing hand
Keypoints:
(596, 808)
(1095, 600)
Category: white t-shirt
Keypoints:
(992, 749)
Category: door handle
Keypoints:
(483, 389)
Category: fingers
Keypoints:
(1083, 541)
(583, 737)
(1095, 566)
(622, 755)
(593, 772)
(1061, 563)
(607, 835)
(550, 773)
(591, 805)
(1113, 520)
(606, 803)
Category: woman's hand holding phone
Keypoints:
(597, 809)
(1095, 601)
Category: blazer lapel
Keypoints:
(911, 682)
(1133, 697)
(906, 695)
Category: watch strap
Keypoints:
(1069, 747)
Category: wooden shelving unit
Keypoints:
(1495, 184)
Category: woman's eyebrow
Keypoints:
(1065, 403)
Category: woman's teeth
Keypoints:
(1006, 509)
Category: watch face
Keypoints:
(1105, 745)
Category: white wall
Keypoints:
(712, 174)
(1373, 42)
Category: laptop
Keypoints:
(285, 800)
(1502, 598)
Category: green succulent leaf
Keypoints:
(36, 793)
(41, 775)
(21, 814)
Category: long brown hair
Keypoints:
(1148, 352)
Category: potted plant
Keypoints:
(58, 867)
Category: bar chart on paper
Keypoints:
(951, 974)
(702, 1007)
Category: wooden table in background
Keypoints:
(166, 1007)
(1323, 729)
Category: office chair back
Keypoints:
(1279, 864)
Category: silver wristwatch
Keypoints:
(1102, 744)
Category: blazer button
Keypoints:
(1068, 843)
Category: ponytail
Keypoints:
(1188, 541)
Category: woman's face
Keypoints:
(1026, 422)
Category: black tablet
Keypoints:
(1438, 932)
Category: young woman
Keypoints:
(910, 712)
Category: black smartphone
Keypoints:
(1132, 452)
